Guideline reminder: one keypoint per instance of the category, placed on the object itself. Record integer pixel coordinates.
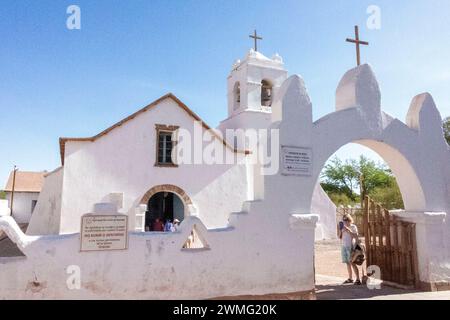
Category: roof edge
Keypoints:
(63, 140)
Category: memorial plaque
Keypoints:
(104, 232)
(296, 161)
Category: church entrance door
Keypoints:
(163, 207)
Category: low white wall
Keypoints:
(240, 260)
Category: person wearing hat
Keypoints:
(175, 225)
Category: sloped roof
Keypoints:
(26, 181)
(63, 140)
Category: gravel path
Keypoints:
(328, 259)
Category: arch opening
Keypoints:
(402, 170)
(163, 209)
(266, 93)
(237, 95)
(405, 194)
(408, 182)
(165, 203)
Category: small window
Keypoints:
(165, 145)
(165, 148)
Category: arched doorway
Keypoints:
(163, 207)
(165, 202)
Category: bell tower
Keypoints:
(253, 82)
(252, 85)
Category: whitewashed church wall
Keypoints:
(123, 161)
(245, 120)
(47, 214)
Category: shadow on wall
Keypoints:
(7, 247)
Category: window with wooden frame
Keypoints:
(165, 142)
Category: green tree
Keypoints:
(340, 177)
(371, 176)
(355, 179)
(2, 195)
(447, 129)
(341, 199)
(389, 197)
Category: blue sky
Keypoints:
(58, 82)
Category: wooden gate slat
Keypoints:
(408, 260)
(387, 218)
(366, 229)
(372, 232)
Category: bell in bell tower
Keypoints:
(253, 82)
(266, 93)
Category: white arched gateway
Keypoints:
(416, 151)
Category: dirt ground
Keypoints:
(328, 259)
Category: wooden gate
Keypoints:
(391, 245)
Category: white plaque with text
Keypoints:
(296, 161)
(104, 232)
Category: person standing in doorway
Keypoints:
(158, 225)
(349, 235)
(175, 225)
(168, 226)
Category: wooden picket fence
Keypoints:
(391, 245)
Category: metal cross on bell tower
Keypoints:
(256, 38)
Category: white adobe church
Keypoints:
(257, 231)
(130, 163)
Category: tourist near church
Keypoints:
(158, 204)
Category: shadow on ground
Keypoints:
(351, 292)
